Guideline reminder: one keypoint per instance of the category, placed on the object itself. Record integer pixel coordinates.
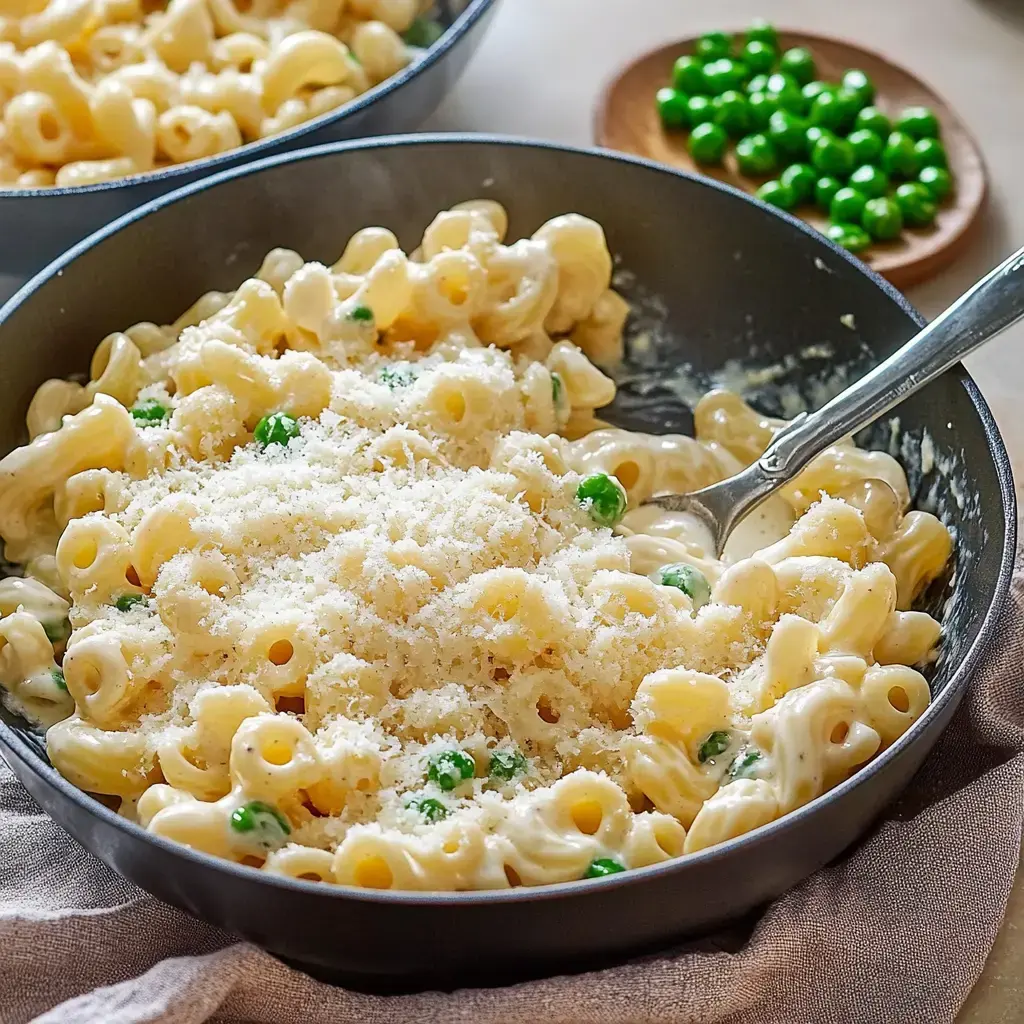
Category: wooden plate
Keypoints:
(626, 119)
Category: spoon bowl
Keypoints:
(722, 506)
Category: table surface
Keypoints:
(542, 65)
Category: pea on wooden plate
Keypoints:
(834, 144)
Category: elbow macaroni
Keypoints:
(90, 92)
(389, 647)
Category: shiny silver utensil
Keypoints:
(993, 304)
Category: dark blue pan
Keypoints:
(734, 278)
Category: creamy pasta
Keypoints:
(92, 90)
(341, 577)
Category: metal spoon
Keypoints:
(993, 304)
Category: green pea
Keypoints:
(423, 33)
(149, 411)
(744, 764)
(707, 143)
(688, 76)
(762, 106)
(847, 206)
(763, 32)
(812, 90)
(361, 313)
(557, 391)
(602, 867)
(758, 56)
(779, 83)
(698, 110)
(849, 236)
(867, 145)
(916, 204)
(261, 822)
(759, 83)
(717, 743)
(824, 191)
(872, 181)
(827, 112)
(931, 153)
(800, 178)
(691, 581)
(718, 76)
(671, 107)
(713, 45)
(603, 497)
(856, 81)
(882, 218)
(449, 768)
(899, 157)
(799, 63)
(277, 428)
(431, 809)
(832, 156)
(850, 103)
(398, 376)
(57, 630)
(918, 123)
(787, 132)
(732, 112)
(786, 92)
(57, 676)
(126, 602)
(724, 74)
(755, 156)
(937, 180)
(873, 120)
(801, 107)
(776, 194)
(814, 133)
(506, 764)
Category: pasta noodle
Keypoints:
(340, 576)
(90, 91)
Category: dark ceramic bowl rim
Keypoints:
(959, 678)
(252, 150)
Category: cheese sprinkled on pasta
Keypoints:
(341, 576)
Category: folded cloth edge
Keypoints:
(897, 931)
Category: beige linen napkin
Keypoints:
(896, 933)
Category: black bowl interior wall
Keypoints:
(38, 225)
(716, 277)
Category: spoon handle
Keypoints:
(992, 305)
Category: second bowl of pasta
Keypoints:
(105, 104)
(334, 581)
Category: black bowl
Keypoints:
(715, 276)
(40, 224)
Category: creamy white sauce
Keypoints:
(769, 522)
